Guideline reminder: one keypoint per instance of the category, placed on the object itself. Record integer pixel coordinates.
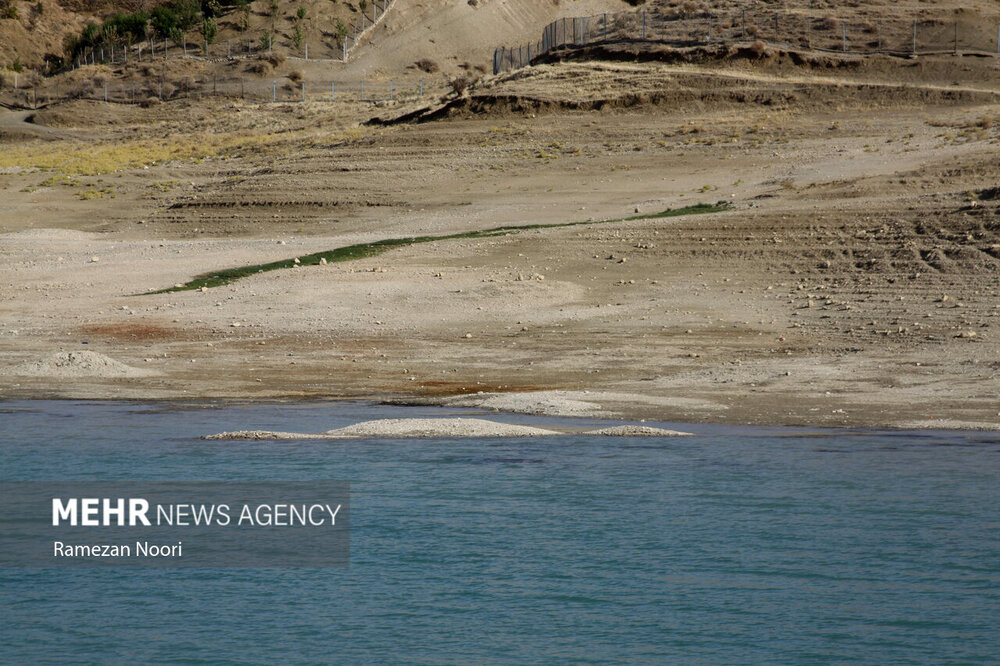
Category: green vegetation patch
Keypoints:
(365, 250)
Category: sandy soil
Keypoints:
(854, 282)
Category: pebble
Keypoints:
(94, 260)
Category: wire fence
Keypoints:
(282, 90)
(334, 46)
(794, 30)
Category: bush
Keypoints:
(294, 75)
(129, 27)
(758, 49)
(8, 10)
(164, 21)
(259, 67)
(461, 84)
(426, 65)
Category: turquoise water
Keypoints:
(738, 545)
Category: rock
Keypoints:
(322, 261)
(203, 289)
(94, 260)
(468, 335)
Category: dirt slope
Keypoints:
(452, 33)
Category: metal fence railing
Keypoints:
(788, 29)
(252, 90)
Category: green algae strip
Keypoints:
(364, 250)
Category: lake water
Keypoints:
(739, 545)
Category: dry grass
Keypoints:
(80, 160)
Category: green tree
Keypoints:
(297, 36)
(211, 8)
(177, 37)
(164, 21)
(243, 7)
(188, 12)
(209, 29)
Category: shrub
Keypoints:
(164, 21)
(259, 67)
(211, 8)
(460, 84)
(294, 75)
(8, 10)
(426, 65)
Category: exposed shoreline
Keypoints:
(636, 415)
(854, 281)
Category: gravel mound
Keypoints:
(443, 427)
(636, 431)
(78, 364)
(438, 428)
(263, 434)
(551, 403)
